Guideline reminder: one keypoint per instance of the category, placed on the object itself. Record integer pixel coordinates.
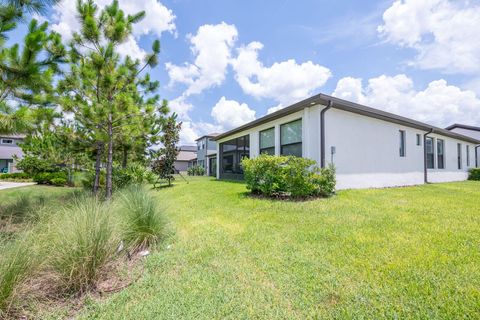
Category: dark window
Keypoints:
(291, 138)
(430, 153)
(440, 154)
(402, 143)
(267, 141)
(419, 139)
(233, 151)
(468, 155)
(459, 155)
(7, 141)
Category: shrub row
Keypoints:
(72, 246)
(58, 178)
(287, 176)
(121, 177)
(474, 174)
(15, 176)
(196, 171)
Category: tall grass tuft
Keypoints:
(84, 240)
(143, 219)
(17, 262)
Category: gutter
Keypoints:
(425, 169)
(322, 133)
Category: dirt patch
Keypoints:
(43, 294)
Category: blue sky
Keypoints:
(224, 63)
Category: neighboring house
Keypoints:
(207, 153)
(369, 147)
(185, 156)
(470, 131)
(9, 148)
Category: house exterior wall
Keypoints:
(7, 151)
(366, 149)
(181, 166)
(205, 146)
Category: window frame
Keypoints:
(459, 156)
(402, 150)
(433, 152)
(7, 139)
(261, 150)
(419, 139)
(467, 150)
(294, 143)
(442, 155)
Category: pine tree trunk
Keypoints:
(98, 158)
(108, 180)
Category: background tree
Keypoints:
(163, 166)
(26, 72)
(106, 92)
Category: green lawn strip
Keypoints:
(391, 253)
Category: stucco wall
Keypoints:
(366, 149)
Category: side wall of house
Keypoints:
(365, 150)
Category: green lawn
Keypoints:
(392, 253)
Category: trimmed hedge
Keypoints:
(289, 176)
(51, 178)
(196, 171)
(474, 174)
(15, 176)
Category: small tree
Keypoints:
(164, 165)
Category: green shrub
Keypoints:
(287, 176)
(52, 178)
(196, 171)
(143, 219)
(474, 174)
(33, 165)
(83, 240)
(17, 262)
(15, 176)
(134, 174)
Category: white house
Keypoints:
(370, 148)
(9, 149)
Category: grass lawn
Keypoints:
(392, 253)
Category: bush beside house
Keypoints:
(280, 176)
(474, 174)
(196, 171)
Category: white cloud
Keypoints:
(285, 81)
(193, 130)
(444, 33)
(158, 19)
(230, 113)
(212, 49)
(181, 108)
(439, 104)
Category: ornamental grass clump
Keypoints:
(143, 220)
(288, 176)
(83, 240)
(17, 263)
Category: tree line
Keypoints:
(82, 103)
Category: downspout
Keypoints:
(322, 133)
(425, 175)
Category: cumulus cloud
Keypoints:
(444, 33)
(181, 108)
(193, 130)
(158, 19)
(211, 46)
(230, 113)
(439, 103)
(285, 81)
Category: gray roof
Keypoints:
(188, 148)
(462, 126)
(210, 135)
(349, 106)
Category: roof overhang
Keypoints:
(340, 104)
